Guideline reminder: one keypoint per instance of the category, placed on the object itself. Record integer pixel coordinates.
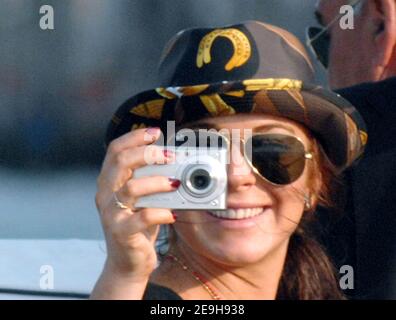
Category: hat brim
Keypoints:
(332, 119)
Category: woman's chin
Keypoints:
(241, 252)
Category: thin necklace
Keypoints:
(197, 276)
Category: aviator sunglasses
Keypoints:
(277, 158)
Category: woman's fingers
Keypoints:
(117, 153)
(134, 138)
(138, 187)
(140, 156)
(130, 192)
(145, 219)
(118, 169)
(126, 226)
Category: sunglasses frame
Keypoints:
(308, 155)
(309, 43)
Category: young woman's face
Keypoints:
(241, 241)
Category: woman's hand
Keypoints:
(131, 233)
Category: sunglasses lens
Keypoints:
(278, 158)
(320, 44)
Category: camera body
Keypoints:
(203, 176)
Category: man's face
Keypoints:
(351, 51)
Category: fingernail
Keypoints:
(175, 183)
(174, 214)
(168, 153)
(153, 131)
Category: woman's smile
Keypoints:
(237, 213)
(238, 218)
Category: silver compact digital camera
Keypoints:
(203, 176)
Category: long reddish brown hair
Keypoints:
(308, 273)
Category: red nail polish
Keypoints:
(174, 214)
(168, 153)
(175, 183)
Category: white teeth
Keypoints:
(237, 213)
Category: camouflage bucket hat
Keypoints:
(250, 67)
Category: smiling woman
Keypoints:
(247, 76)
(262, 208)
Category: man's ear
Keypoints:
(383, 15)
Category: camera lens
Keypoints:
(200, 179)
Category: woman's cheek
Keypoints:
(290, 205)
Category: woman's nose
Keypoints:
(240, 174)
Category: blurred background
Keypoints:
(59, 88)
